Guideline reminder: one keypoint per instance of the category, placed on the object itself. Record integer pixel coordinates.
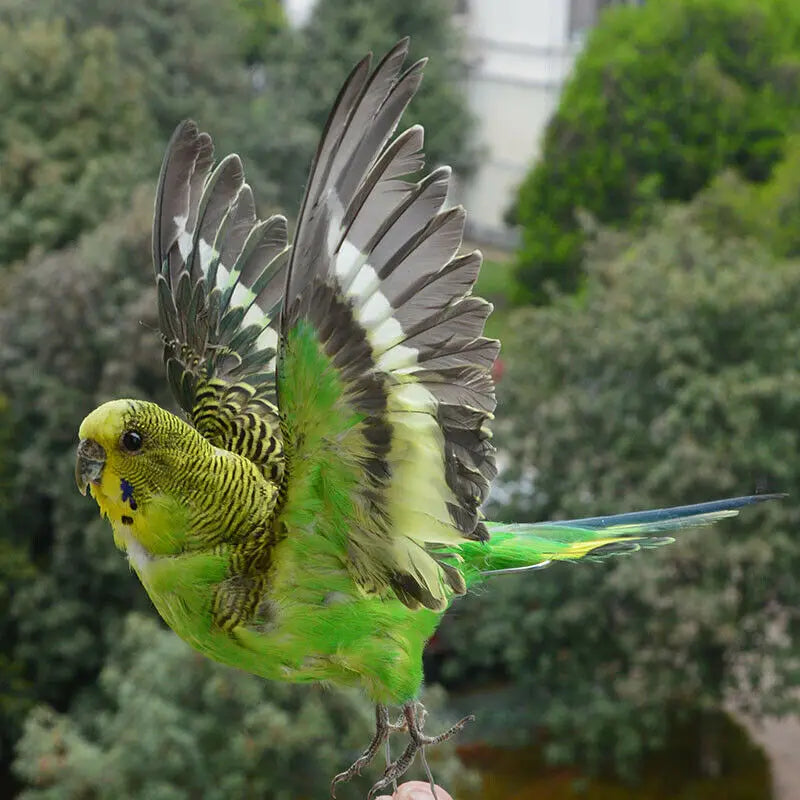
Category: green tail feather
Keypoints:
(529, 546)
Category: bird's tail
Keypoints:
(529, 546)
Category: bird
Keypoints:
(316, 504)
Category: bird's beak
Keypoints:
(89, 464)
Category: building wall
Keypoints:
(298, 11)
(520, 53)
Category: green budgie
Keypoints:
(319, 507)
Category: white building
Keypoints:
(520, 54)
(298, 11)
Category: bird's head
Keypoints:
(130, 451)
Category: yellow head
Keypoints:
(132, 455)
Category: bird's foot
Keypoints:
(382, 728)
(413, 722)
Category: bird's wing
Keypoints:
(220, 275)
(384, 381)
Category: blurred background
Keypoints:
(632, 172)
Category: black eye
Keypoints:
(132, 441)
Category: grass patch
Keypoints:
(496, 281)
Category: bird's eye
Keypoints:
(131, 441)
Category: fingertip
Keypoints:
(419, 790)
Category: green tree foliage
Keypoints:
(169, 724)
(676, 382)
(16, 692)
(74, 133)
(663, 97)
(186, 54)
(93, 90)
(263, 23)
(769, 212)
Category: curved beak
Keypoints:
(89, 465)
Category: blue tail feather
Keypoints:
(666, 518)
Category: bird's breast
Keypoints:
(139, 557)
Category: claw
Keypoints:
(413, 721)
(395, 770)
(382, 727)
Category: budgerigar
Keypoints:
(319, 506)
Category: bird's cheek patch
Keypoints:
(127, 493)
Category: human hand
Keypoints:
(416, 790)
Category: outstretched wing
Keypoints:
(384, 379)
(220, 274)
